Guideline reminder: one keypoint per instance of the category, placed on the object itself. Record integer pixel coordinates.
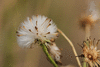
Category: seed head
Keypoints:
(36, 28)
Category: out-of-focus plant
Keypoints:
(87, 21)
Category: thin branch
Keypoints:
(71, 44)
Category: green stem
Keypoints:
(47, 54)
(84, 64)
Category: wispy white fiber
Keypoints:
(39, 27)
(93, 10)
(55, 52)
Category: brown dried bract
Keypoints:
(91, 53)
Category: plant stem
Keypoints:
(84, 63)
(47, 54)
(87, 35)
(71, 44)
(87, 31)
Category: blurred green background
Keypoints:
(65, 14)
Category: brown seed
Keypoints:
(51, 44)
(57, 34)
(17, 32)
(36, 28)
(48, 33)
(19, 35)
(44, 21)
(20, 28)
(30, 20)
(24, 27)
(30, 30)
(52, 40)
(36, 23)
(36, 15)
(61, 49)
(48, 25)
(49, 20)
(37, 33)
(44, 36)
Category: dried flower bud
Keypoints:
(90, 17)
(55, 52)
(91, 53)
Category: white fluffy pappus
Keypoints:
(93, 10)
(55, 52)
(39, 27)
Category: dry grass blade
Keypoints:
(71, 44)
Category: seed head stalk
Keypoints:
(71, 44)
(87, 31)
(47, 54)
(87, 35)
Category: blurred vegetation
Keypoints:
(65, 13)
